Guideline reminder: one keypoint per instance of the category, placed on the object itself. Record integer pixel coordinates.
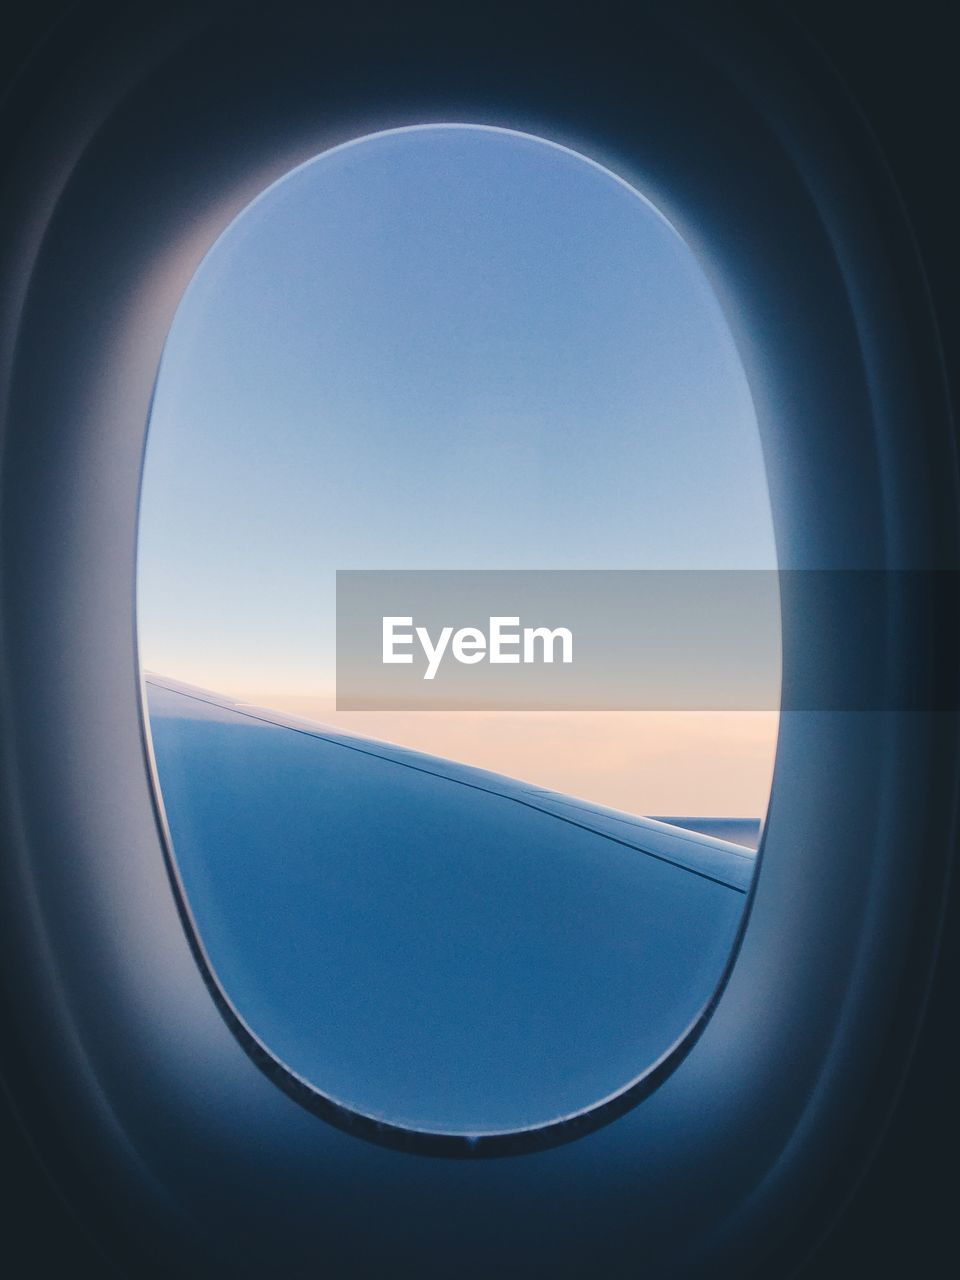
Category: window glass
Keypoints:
(447, 348)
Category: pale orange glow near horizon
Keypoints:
(692, 763)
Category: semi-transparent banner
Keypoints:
(641, 639)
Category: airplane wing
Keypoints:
(429, 943)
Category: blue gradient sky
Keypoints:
(445, 347)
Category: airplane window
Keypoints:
(454, 348)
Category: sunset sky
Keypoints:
(457, 348)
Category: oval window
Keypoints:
(458, 349)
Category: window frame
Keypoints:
(119, 1050)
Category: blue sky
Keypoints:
(446, 347)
